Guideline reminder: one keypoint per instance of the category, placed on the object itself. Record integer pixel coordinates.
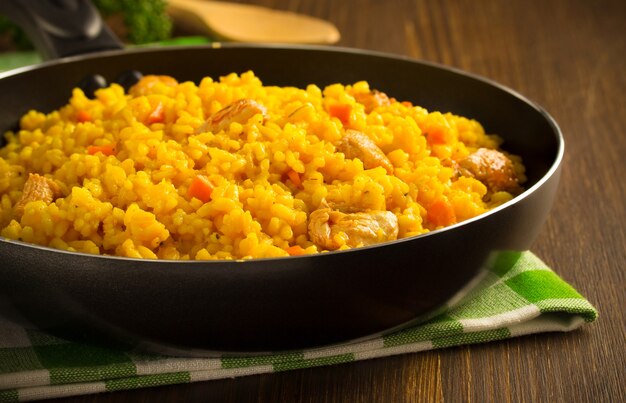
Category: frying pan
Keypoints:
(229, 307)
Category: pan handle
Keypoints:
(60, 28)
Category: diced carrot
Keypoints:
(83, 116)
(436, 136)
(441, 213)
(295, 178)
(157, 115)
(341, 112)
(201, 188)
(106, 149)
(295, 250)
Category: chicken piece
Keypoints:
(37, 187)
(145, 85)
(372, 100)
(330, 229)
(492, 168)
(355, 144)
(239, 111)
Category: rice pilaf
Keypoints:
(233, 169)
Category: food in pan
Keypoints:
(233, 169)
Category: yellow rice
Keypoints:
(136, 203)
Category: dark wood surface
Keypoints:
(569, 56)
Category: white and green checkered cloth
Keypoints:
(517, 295)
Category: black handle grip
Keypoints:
(60, 28)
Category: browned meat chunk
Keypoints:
(146, 84)
(492, 168)
(331, 229)
(355, 144)
(372, 100)
(37, 187)
(239, 111)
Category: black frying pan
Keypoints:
(197, 307)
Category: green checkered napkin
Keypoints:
(518, 294)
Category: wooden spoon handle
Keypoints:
(249, 23)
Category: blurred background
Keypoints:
(186, 22)
(135, 22)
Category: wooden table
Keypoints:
(569, 56)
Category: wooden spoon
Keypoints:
(249, 23)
